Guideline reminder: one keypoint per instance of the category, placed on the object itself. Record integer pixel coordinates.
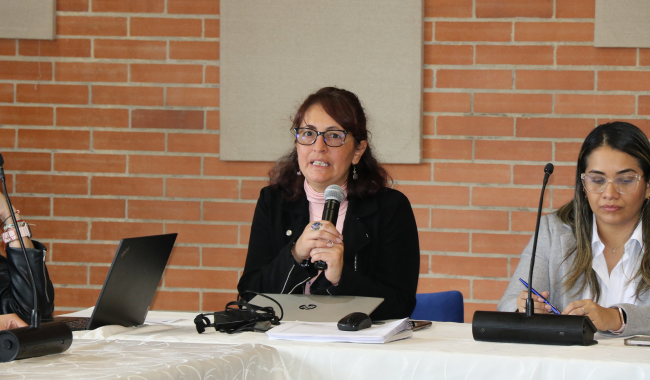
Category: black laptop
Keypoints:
(130, 285)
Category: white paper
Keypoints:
(329, 332)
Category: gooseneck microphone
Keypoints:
(334, 195)
(35, 339)
(528, 327)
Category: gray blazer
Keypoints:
(555, 238)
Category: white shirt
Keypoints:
(616, 287)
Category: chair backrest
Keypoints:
(439, 307)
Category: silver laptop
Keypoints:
(317, 308)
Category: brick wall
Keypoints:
(112, 130)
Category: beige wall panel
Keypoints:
(27, 19)
(276, 52)
(622, 23)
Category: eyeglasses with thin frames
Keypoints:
(624, 183)
(333, 138)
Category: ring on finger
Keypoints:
(316, 226)
(583, 310)
(331, 242)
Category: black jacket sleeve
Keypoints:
(16, 294)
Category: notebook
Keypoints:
(317, 308)
(130, 285)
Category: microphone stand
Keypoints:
(504, 327)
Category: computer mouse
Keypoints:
(355, 322)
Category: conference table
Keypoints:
(443, 351)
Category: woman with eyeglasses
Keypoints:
(372, 251)
(593, 256)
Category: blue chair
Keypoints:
(439, 307)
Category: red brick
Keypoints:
(575, 8)
(201, 188)
(567, 151)
(27, 161)
(149, 141)
(192, 97)
(448, 54)
(513, 103)
(401, 172)
(129, 186)
(218, 300)
(424, 265)
(165, 27)
(592, 56)
(514, 55)
(31, 206)
(594, 104)
(52, 93)
(422, 217)
(224, 257)
(447, 102)
(97, 163)
(211, 28)
(8, 47)
(451, 149)
(176, 301)
(98, 275)
(428, 125)
(523, 221)
(228, 211)
(514, 8)
(513, 150)
(435, 285)
(51, 184)
(203, 233)
(130, 49)
(507, 197)
(562, 197)
(124, 95)
(554, 80)
(472, 307)
(448, 8)
(53, 139)
(6, 92)
(443, 241)
(470, 266)
(76, 297)
(489, 289)
(90, 208)
(513, 264)
(475, 126)
(79, 252)
(427, 79)
(72, 5)
(244, 234)
(167, 119)
(195, 50)
(644, 105)
(644, 57)
(436, 195)
(499, 243)
(61, 47)
(214, 166)
(167, 73)
(164, 210)
(428, 31)
(473, 31)
(60, 229)
(554, 127)
(212, 120)
(197, 143)
(471, 173)
(135, 6)
(7, 137)
(90, 26)
(92, 117)
(24, 70)
(68, 274)
(118, 230)
(165, 165)
(187, 256)
(554, 31)
(533, 175)
(623, 80)
(90, 72)
(202, 7)
(474, 79)
(212, 74)
(251, 189)
(469, 219)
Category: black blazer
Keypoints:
(381, 256)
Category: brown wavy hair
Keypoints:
(345, 108)
(625, 138)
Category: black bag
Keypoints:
(240, 316)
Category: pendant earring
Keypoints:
(298, 173)
(354, 172)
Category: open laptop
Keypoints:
(130, 285)
(317, 308)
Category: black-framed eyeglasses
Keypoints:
(332, 138)
(623, 183)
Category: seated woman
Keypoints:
(593, 254)
(16, 296)
(372, 251)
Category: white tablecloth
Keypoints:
(129, 359)
(444, 351)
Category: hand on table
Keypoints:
(604, 318)
(11, 321)
(540, 306)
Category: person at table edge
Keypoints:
(372, 251)
(593, 254)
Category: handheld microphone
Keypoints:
(35, 339)
(334, 195)
(504, 327)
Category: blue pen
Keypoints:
(540, 296)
